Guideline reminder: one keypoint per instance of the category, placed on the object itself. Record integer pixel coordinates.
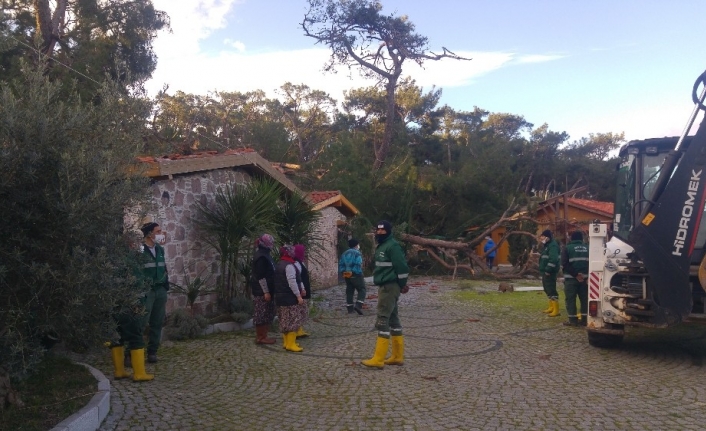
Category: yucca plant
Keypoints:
(194, 288)
(230, 223)
(296, 223)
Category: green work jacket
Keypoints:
(154, 268)
(549, 259)
(574, 259)
(390, 263)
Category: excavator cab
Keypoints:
(649, 271)
(638, 171)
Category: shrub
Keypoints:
(181, 325)
(67, 176)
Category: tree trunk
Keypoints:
(47, 24)
(382, 148)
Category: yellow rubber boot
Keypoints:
(300, 332)
(397, 356)
(118, 354)
(378, 359)
(549, 308)
(555, 309)
(290, 339)
(138, 366)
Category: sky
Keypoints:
(579, 66)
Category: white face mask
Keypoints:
(160, 238)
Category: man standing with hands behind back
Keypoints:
(391, 272)
(574, 261)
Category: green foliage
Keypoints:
(193, 289)
(241, 309)
(238, 215)
(65, 264)
(93, 37)
(55, 390)
(296, 223)
(183, 326)
(521, 245)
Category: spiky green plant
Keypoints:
(237, 215)
(296, 223)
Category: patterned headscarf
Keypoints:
(286, 251)
(299, 252)
(265, 241)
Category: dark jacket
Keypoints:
(284, 296)
(304, 275)
(263, 267)
(574, 259)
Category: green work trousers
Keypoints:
(387, 319)
(549, 285)
(155, 306)
(355, 284)
(573, 289)
(130, 328)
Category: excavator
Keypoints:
(648, 268)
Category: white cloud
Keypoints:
(538, 58)
(237, 71)
(191, 21)
(238, 45)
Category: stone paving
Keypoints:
(467, 367)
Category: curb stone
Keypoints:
(90, 417)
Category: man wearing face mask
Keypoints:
(391, 272)
(155, 273)
(549, 267)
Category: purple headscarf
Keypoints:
(299, 252)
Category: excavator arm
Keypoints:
(665, 235)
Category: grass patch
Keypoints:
(58, 389)
(523, 302)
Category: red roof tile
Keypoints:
(604, 207)
(317, 197)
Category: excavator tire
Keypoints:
(604, 341)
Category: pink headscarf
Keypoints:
(266, 241)
(299, 252)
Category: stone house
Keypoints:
(178, 182)
(335, 210)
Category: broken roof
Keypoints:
(323, 199)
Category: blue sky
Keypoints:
(580, 66)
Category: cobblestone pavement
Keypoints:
(466, 368)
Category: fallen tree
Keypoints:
(440, 250)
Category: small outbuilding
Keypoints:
(179, 181)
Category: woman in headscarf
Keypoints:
(299, 256)
(288, 297)
(262, 286)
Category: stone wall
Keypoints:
(323, 264)
(186, 253)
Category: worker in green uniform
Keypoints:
(390, 275)
(574, 261)
(155, 273)
(130, 326)
(549, 267)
